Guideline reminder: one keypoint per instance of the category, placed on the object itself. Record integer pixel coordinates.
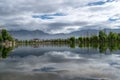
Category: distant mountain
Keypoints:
(25, 34)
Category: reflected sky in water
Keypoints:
(60, 63)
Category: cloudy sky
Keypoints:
(59, 16)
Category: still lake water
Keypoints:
(60, 63)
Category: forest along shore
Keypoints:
(6, 39)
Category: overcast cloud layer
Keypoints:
(59, 16)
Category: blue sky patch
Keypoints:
(99, 3)
(48, 16)
(96, 3)
(113, 20)
(110, 0)
(58, 14)
(42, 17)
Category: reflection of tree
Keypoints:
(5, 51)
(114, 46)
(81, 45)
(103, 47)
(72, 45)
(94, 45)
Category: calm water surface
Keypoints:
(60, 63)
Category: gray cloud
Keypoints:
(59, 24)
(17, 14)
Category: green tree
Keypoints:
(94, 38)
(72, 39)
(1, 39)
(80, 39)
(112, 36)
(6, 35)
(118, 37)
(102, 36)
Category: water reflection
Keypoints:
(60, 62)
(101, 47)
(5, 51)
(61, 65)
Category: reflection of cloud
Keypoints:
(95, 66)
(45, 69)
(64, 55)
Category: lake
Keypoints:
(59, 62)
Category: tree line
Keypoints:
(100, 38)
(5, 36)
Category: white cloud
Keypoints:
(19, 14)
(66, 29)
